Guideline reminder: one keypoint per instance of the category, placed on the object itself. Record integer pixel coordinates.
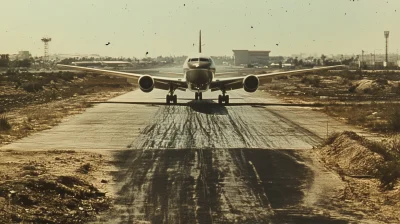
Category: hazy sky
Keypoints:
(170, 27)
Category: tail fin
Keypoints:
(200, 42)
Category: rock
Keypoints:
(104, 181)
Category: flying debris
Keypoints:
(199, 75)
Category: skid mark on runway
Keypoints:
(247, 127)
(212, 186)
(192, 166)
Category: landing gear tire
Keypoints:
(200, 96)
(196, 95)
(171, 98)
(224, 99)
(168, 98)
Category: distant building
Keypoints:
(113, 64)
(23, 55)
(251, 57)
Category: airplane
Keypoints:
(199, 75)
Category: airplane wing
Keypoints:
(160, 82)
(230, 83)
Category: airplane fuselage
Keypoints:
(199, 71)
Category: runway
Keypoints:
(206, 163)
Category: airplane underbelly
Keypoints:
(199, 79)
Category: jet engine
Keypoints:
(250, 83)
(146, 83)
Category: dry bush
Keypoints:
(314, 81)
(32, 87)
(331, 138)
(394, 120)
(4, 123)
(85, 168)
(388, 172)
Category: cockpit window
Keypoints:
(201, 59)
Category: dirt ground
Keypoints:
(369, 100)
(357, 165)
(62, 186)
(52, 186)
(32, 102)
(74, 187)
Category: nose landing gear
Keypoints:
(223, 98)
(171, 97)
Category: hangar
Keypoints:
(251, 57)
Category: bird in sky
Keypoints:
(107, 43)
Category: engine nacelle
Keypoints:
(250, 83)
(146, 83)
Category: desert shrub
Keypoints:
(381, 81)
(394, 120)
(351, 75)
(331, 138)
(388, 174)
(80, 75)
(67, 76)
(314, 81)
(378, 147)
(4, 124)
(281, 77)
(352, 89)
(32, 87)
(85, 168)
(367, 90)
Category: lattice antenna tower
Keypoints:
(46, 41)
(387, 45)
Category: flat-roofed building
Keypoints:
(251, 57)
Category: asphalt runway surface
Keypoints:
(206, 163)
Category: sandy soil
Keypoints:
(52, 186)
(363, 193)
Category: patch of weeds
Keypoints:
(352, 88)
(388, 174)
(4, 123)
(314, 81)
(394, 120)
(58, 151)
(32, 87)
(331, 138)
(85, 168)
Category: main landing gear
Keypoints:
(171, 97)
(223, 98)
(198, 95)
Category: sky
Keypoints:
(171, 27)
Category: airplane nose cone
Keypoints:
(199, 64)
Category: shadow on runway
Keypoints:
(210, 101)
(234, 98)
(208, 107)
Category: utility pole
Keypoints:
(371, 60)
(362, 59)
